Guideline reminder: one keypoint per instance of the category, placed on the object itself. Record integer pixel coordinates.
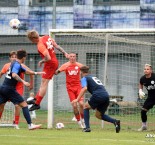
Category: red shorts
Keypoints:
(73, 93)
(50, 69)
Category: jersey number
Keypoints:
(49, 43)
(97, 81)
(8, 74)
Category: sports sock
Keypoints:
(1, 114)
(143, 116)
(143, 123)
(38, 99)
(77, 116)
(16, 121)
(82, 115)
(108, 118)
(86, 118)
(26, 115)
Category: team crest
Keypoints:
(152, 82)
(76, 67)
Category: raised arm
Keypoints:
(62, 50)
(31, 77)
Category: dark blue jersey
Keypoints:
(149, 84)
(94, 85)
(15, 67)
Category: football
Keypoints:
(59, 125)
(14, 23)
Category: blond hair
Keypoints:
(148, 65)
(12, 53)
(32, 34)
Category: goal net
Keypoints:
(8, 115)
(117, 57)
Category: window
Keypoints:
(116, 2)
(8, 3)
(50, 2)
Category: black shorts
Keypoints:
(149, 103)
(9, 93)
(99, 102)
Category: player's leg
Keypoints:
(16, 98)
(87, 107)
(81, 104)
(27, 116)
(148, 104)
(3, 101)
(20, 90)
(49, 72)
(41, 93)
(72, 96)
(17, 116)
(1, 109)
(81, 110)
(101, 104)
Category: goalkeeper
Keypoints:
(148, 81)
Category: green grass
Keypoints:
(72, 137)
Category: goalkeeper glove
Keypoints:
(141, 94)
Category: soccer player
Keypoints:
(45, 46)
(148, 81)
(19, 86)
(8, 88)
(73, 85)
(98, 101)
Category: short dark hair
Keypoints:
(84, 69)
(12, 53)
(21, 53)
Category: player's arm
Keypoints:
(45, 59)
(30, 72)
(4, 70)
(62, 51)
(42, 49)
(62, 68)
(1, 74)
(83, 90)
(15, 75)
(31, 77)
(141, 93)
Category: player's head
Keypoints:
(147, 69)
(21, 55)
(72, 57)
(84, 70)
(33, 36)
(32, 94)
(12, 55)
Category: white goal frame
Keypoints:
(52, 33)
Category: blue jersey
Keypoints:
(94, 85)
(15, 67)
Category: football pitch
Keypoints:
(10, 136)
(72, 135)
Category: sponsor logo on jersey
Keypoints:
(73, 72)
(152, 86)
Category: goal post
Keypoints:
(115, 56)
